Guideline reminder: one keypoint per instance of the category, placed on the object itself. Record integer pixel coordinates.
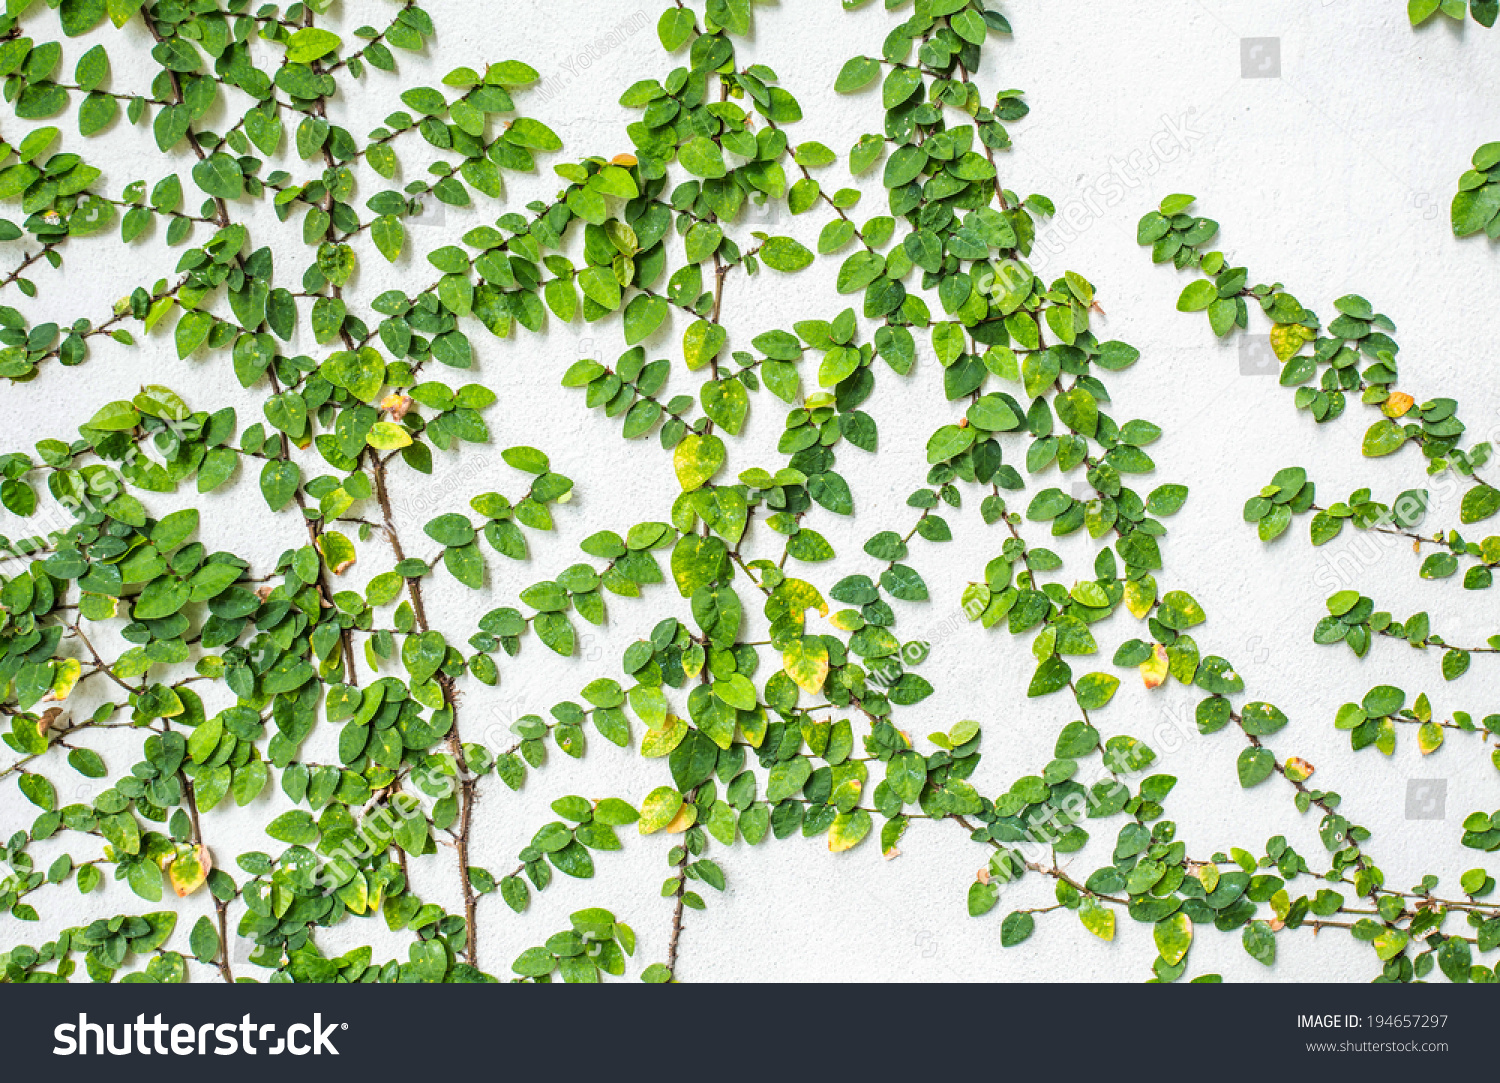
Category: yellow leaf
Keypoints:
(388, 436)
(1097, 919)
(338, 551)
(1398, 404)
(800, 595)
(697, 459)
(806, 663)
(623, 159)
(1288, 338)
(1140, 596)
(1298, 769)
(396, 405)
(68, 672)
(1429, 738)
(660, 809)
(656, 743)
(1154, 672)
(355, 895)
(189, 869)
(848, 830)
(686, 817)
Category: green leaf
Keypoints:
(389, 235)
(1198, 295)
(1473, 210)
(38, 791)
(1096, 689)
(1174, 935)
(1260, 942)
(860, 71)
(701, 157)
(785, 254)
(1479, 503)
(219, 175)
(1383, 438)
(982, 898)
(115, 417)
(204, 940)
(1261, 719)
(1255, 766)
(1016, 928)
(295, 827)
(278, 483)
(311, 43)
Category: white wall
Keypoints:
(1333, 178)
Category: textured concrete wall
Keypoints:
(1332, 176)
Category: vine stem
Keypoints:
(220, 906)
(467, 782)
(677, 915)
(678, 906)
(221, 211)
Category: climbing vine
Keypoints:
(774, 696)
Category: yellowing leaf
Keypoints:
(659, 809)
(189, 869)
(396, 404)
(1298, 769)
(800, 595)
(1140, 596)
(66, 676)
(309, 44)
(848, 830)
(1288, 338)
(1429, 738)
(1398, 404)
(686, 817)
(1097, 919)
(806, 663)
(338, 551)
(656, 743)
(1174, 935)
(701, 343)
(1154, 671)
(388, 436)
(697, 459)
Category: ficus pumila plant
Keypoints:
(780, 678)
